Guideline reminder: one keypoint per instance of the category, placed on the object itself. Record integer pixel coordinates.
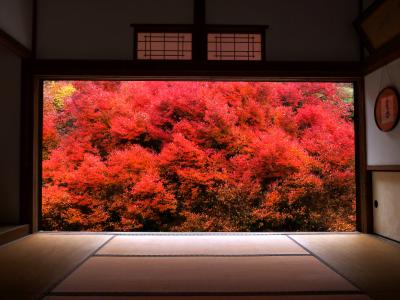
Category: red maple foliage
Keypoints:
(198, 156)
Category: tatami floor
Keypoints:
(67, 266)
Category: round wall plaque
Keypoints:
(387, 109)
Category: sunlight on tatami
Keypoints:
(76, 266)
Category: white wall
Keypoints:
(10, 102)
(306, 30)
(382, 148)
(16, 20)
(386, 190)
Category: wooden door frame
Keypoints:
(36, 71)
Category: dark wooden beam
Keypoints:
(34, 28)
(360, 41)
(383, 56)
(13, 45)
(363, 177)
(169, 70)
(199, 40)
(199, 12)
(384, 168)
(12, 233)
(26, 149)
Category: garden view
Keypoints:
(197, 156)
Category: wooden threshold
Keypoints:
(11, 233)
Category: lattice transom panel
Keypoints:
(164, 46)
(234, 46)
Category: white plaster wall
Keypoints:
(10, 103)
(16, 20)
(301, 30)
(386, 190)
(383, 148)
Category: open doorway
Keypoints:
(188, 156)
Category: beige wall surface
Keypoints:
(386, 190)
(383, 148)
(10, 83)
(301, 30)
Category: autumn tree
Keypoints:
(198, 156)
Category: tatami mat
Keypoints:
(297, 297)
(203, 275)
(273, 264)
(201, 245)
(30, 265)
(372, 263)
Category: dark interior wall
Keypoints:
(16, 20)
(87, 29)
(301, 30)
(10, 99)
(306, 30)
(367, 3)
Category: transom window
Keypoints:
(164, 46)
(199, 42)
(234, 46)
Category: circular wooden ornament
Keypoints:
(387, 109)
